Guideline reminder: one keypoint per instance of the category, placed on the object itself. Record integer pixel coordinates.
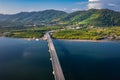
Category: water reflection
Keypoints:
(24, 60)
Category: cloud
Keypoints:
(94, 0)
(75, 9)
(63, 9)
(112, 4)
(99, 4)
(95, 5)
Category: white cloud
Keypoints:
(63, 9)
(96, 5)
(93, 0)
(110, 4)
(75, 9)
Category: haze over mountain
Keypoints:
(92, 17)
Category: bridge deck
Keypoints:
(57, 71)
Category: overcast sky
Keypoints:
(15, 6)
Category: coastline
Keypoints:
(23, 38)
(80, 40)
(104, 40)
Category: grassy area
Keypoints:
(36, 32)
(28, 34)
(84, 33)
(89, 34)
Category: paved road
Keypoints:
(57, 71)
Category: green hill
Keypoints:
(93, 17)
(41, 17)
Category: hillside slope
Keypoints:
(41, 17)
(93, 17)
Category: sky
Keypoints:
(16, 6)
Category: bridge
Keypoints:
(57, 70)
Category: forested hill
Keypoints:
(93, 17)
(41, 17)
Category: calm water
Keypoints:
(89, 60)
(24, 60)
(29, 60)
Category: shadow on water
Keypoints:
(64, 56)
(91, 61)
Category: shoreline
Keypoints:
(80, 40)
(23, 38)
(104, 40)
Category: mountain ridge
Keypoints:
(92, 17)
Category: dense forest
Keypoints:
(92, 17)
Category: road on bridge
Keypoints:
(57, 70)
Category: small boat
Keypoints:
(37, 39)
(53, 72)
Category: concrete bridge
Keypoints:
(57, 70)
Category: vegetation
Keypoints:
(92, 17)
(24, 19)
(35, 24)
(36, 32)
(89, 33)
(25, 34)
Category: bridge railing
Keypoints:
(57, 70)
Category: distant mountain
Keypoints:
(40, 17)
(92, 17)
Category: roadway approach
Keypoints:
(57, 70)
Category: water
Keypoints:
(24, 60)
(89, 60)
(29, 60)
